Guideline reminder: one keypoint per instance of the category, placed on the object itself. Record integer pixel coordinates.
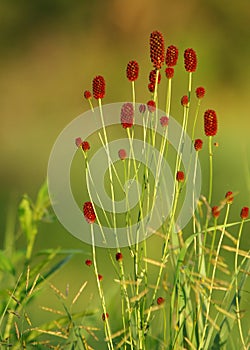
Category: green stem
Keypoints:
(237, 287)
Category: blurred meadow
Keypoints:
(51, 50)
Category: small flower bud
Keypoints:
(118, 256)
(85, 146)
(215, 212)
(180, 177)
(184, 101)
(105, 316)
(164, 121)
(198, 144)
(100, 277)
(87, 94)
(122, 154)
(200, 92)
(229, 197)
(78, 141)
(89, 212)
(88, 262)
(160, 300)
(244, 213)
(169, 72)
(151, 106)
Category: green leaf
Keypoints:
(25, 214)
(6, 264)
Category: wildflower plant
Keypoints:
(141, 183)
(142, 179)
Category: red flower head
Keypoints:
(100, 277)
(132, 70)
(215, 212)
(169, 72)
(88, 262)
(210, 122)
(87, 94)
(127, 115)
(200, 92)
(160, 300)
(157, 49)
(105, 316)
(180, 177)
(122, 154)
(85, 146)
(118, 256)
(151, 87)
(89, 212)
(164, 121)
(190, 60)
(229, 197)
(98, 87)
(151, 106)
(142, 108)
(244, 213)
(171, 56)
(152, 76)
(184, 101)
(78, 141)
(198, 144)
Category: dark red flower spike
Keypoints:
(210, 122)
(98, 86)
(89, 212)
(119, 256)
(157, 49)
(190, 60)
(127, 115)
(171, 56)
(160, 300)
(132, 70)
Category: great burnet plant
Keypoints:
(197, 304)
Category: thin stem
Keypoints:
(210, 169)
(213, 277)
(100, 290)
(237, 287)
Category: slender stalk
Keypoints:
(100, 290)
(213, 277)
(237, 287)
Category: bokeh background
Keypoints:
(51, 50)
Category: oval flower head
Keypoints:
(132, 70)
(89, 213)
(164, 121)
(157, 49)
(127, 115)
(98, 86)
(190, 60)
(122, 154)
(210, 123)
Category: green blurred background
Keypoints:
(51, 50)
